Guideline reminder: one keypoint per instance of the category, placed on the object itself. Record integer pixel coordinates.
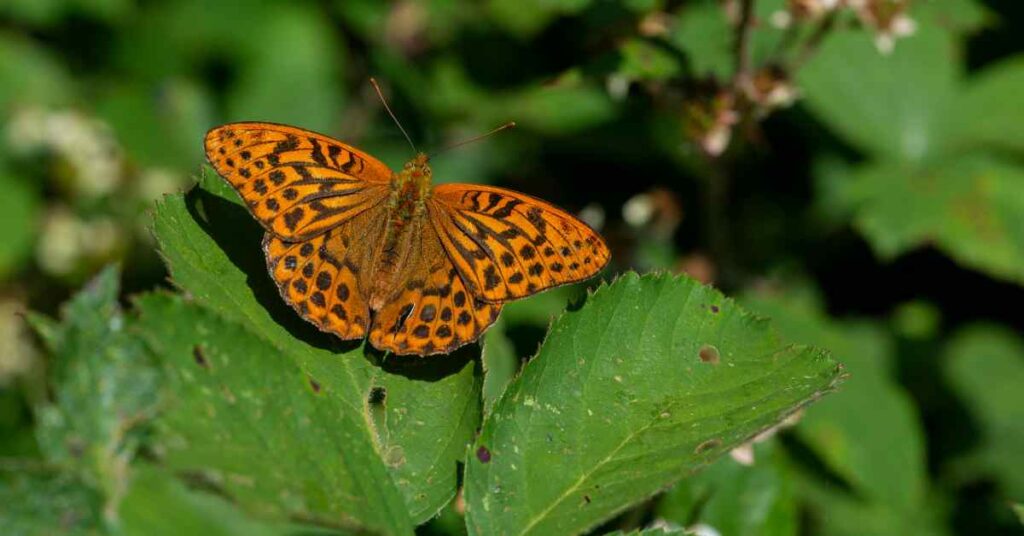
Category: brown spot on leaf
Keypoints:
(200, 357)
(709, 354)
(483, 454)
(707, 445)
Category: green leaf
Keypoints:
(972, 208)
(653, 377)
(642, 60)
(500, 364)
(155, 497)
(892, 106)
(104, 387)
(256, 426)
(292, 73)
(431, 411)
(570, 106)
(868, 433)
(981, 114)
(735, 499)
(29, 75)
(965, 16)
(651, 532)
(46, 503)
(158, 128)
(18, 211)
(985, 367)
(703, 32)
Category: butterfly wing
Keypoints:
(326, 278)
(507, 245)
(297, 183)
(434, 312)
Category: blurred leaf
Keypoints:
(528, 17)
(49, 12)
(959, 15)
(33, 11)
(18, 212)
(30, 75)
(250, 421)
(365, 17)
(919, 320)
(159, 127)
(292, 73)
(735, 499)
(972, 208)
(566, 107)
(541, 309)
(104, 387)
(643, 60)
(653, 377)
(703, 32)
(569, 104)
(890, 106)
(156, 497)
(500, 364)
(212, 248)
(981, 114)
(868, 433)
(985, 366)
(660, 531)
(42, 504)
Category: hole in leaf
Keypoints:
(377, 396)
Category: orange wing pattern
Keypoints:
(507, 245)
(297, 183)
(326, 279)
(434, 312)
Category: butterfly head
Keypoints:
(418, 169)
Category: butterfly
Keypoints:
(360, 250)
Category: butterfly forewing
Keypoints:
(297, 183)
(507, 245)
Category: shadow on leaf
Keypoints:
(239, 236)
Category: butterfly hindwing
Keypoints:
(507, 245)
(297, 183)
(434, 312)
(326, 279)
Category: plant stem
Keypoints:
(742, 47)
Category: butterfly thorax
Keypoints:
(407, 211)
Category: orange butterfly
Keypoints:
(356, 248)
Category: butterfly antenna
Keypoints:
(392, 114)
(510, 124)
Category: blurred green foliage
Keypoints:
(863, 187)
